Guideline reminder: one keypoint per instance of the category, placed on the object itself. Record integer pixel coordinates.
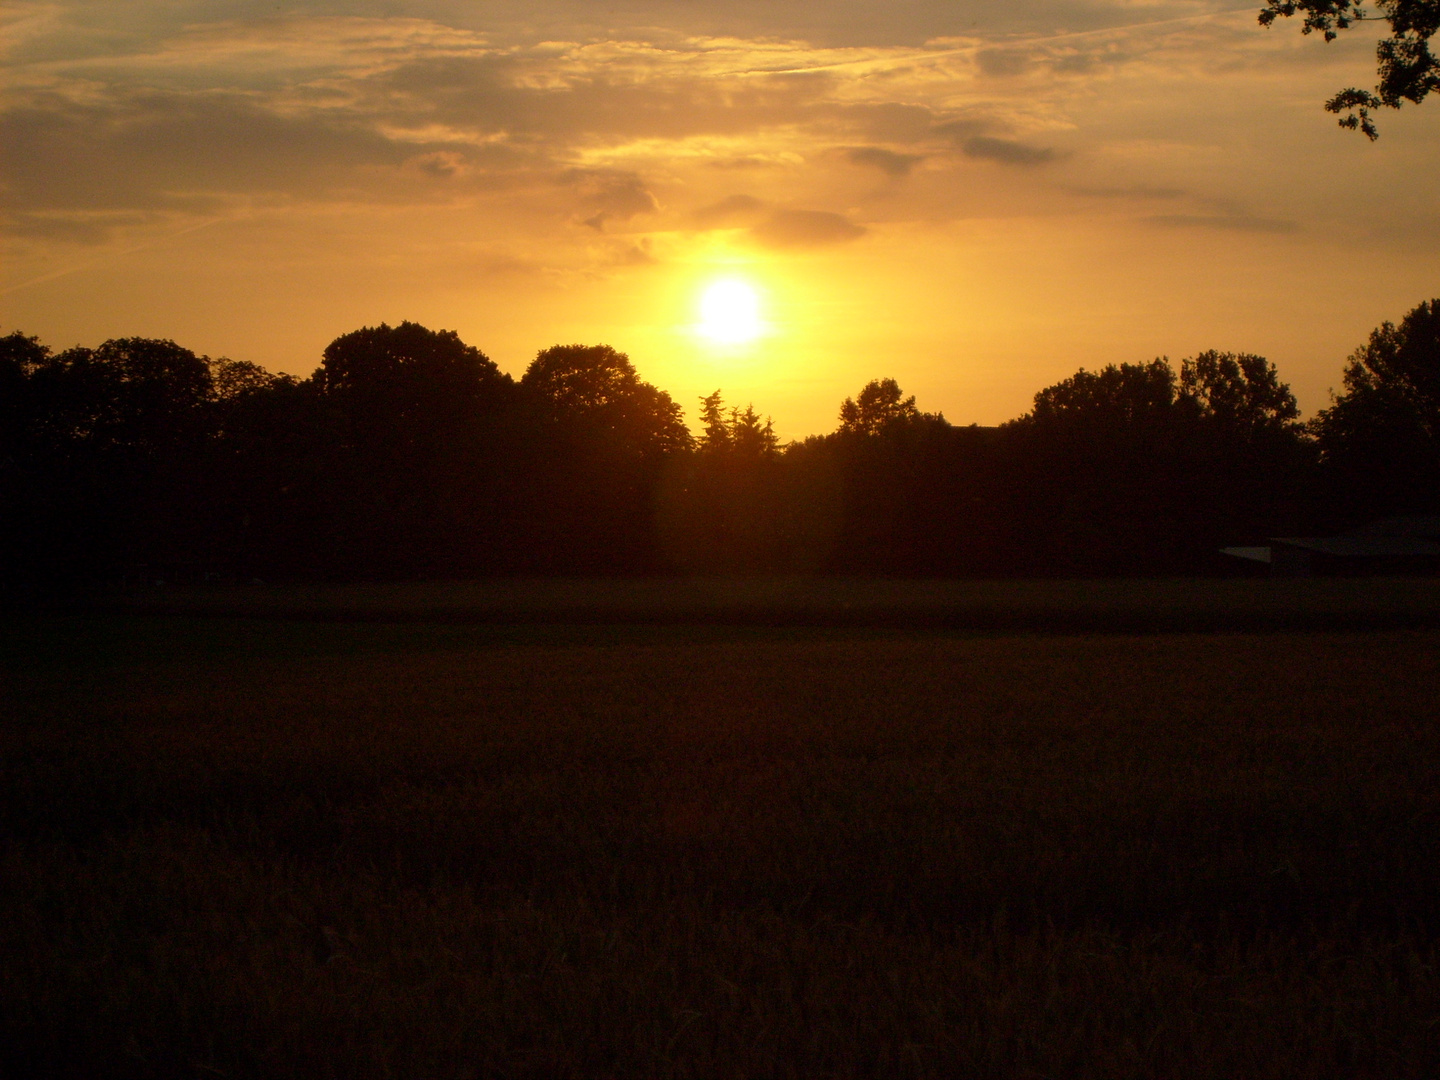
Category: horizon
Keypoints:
(975, 202)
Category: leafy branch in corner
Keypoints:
(1407, 70)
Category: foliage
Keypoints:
(409, 453)
(407, 374)
(599, 438)
(1123, 395)
(601, 386)
(137, 394)
(1239, 391)
(877, 407)
(1137, 464)
(1407, 69)
(1381, 435)
(734, 432)
(721, 509)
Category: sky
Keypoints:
(974, 197)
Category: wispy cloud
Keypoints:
(1226, 222)
(806, 228)
(1006, 151)
(887, 161)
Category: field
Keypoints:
(379, 837)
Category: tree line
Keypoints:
(408, 453)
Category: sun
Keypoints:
(730, 313)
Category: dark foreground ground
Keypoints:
(281, 847)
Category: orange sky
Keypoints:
(974, 198)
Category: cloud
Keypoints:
(750, 161)
(439, 164)
(158, 149)
(805, 228)
(1227, 222)
(887, 161)
(638, 254)
(83, 227)
(958, 130)
(1133, 191)
(611, 196)
(1006, 151)
(1002, 63)
(728, 211)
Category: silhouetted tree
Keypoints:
(107, 462)
(605, 436)
(409, 453)
(408, 377)
(732, 432)
(140, 395)
(1132, 469)
(415, 470)
(20, 415)
(1240, 392)
(722, 507)
(1407, 70)
(599, 387)
(714, 424)
(900, 472)
(1124, 397)
(878, 406)
(1380, 439)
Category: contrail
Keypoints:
(109, 255)
(925, 54)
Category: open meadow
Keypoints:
(296, 841)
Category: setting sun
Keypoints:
(730, 313)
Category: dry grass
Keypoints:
(247, 848)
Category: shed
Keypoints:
(1407, 544)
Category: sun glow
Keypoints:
(730, 313)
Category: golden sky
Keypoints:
(975, 198)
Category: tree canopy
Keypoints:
(1240, 391)
(878, 406)
(600, 386)
(1116, 395)
(1406, 68)
(1382, 433)
(408, 453)
(407, 372)
(730, 431)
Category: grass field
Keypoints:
(260, 847)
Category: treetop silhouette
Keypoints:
(408, 453)
(599, 385)
(1381, 434)
(878, 407)
(732, 432)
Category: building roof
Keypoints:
(1400, 536)
(1403, 536)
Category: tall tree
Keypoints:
(1380, 437)
(1134, 468)
(728, 431)
(1407, 69)
(721, 508)
(413, 472)
(605, 437)
(110, 457)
